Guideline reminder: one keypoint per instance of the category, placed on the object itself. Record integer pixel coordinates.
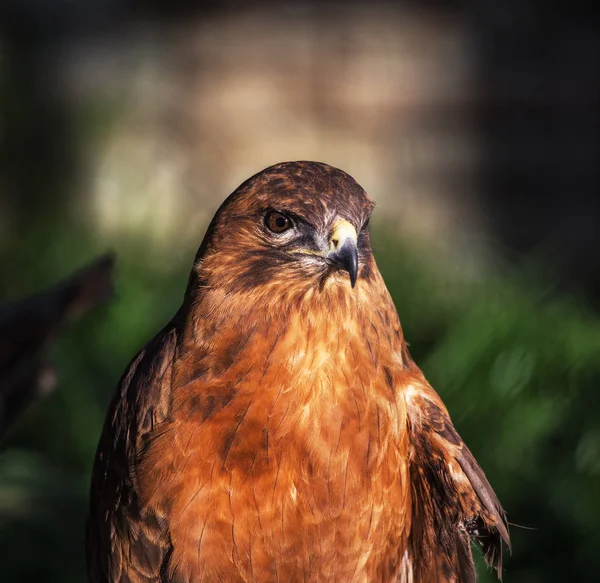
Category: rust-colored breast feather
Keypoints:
(277, 429)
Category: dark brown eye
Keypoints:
(278, 222)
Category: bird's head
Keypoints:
(294, 226)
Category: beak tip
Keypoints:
(346, 258)
(353, 271)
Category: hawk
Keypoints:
(277, 429)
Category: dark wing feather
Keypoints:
(125, 542)
(452, 501)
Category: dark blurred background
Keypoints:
(474, 125)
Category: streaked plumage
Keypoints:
(277, 429)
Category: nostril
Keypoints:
(335, 243)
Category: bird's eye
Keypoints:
(278, 222)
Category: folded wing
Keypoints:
(452, 501)
(128, 543)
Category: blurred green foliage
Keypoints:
(517, 367)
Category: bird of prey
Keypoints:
(277, 429)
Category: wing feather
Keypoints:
(126, 543)
(452, 500)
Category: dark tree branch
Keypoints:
(29, 327)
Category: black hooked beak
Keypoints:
(343, 251)
(346, 258)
